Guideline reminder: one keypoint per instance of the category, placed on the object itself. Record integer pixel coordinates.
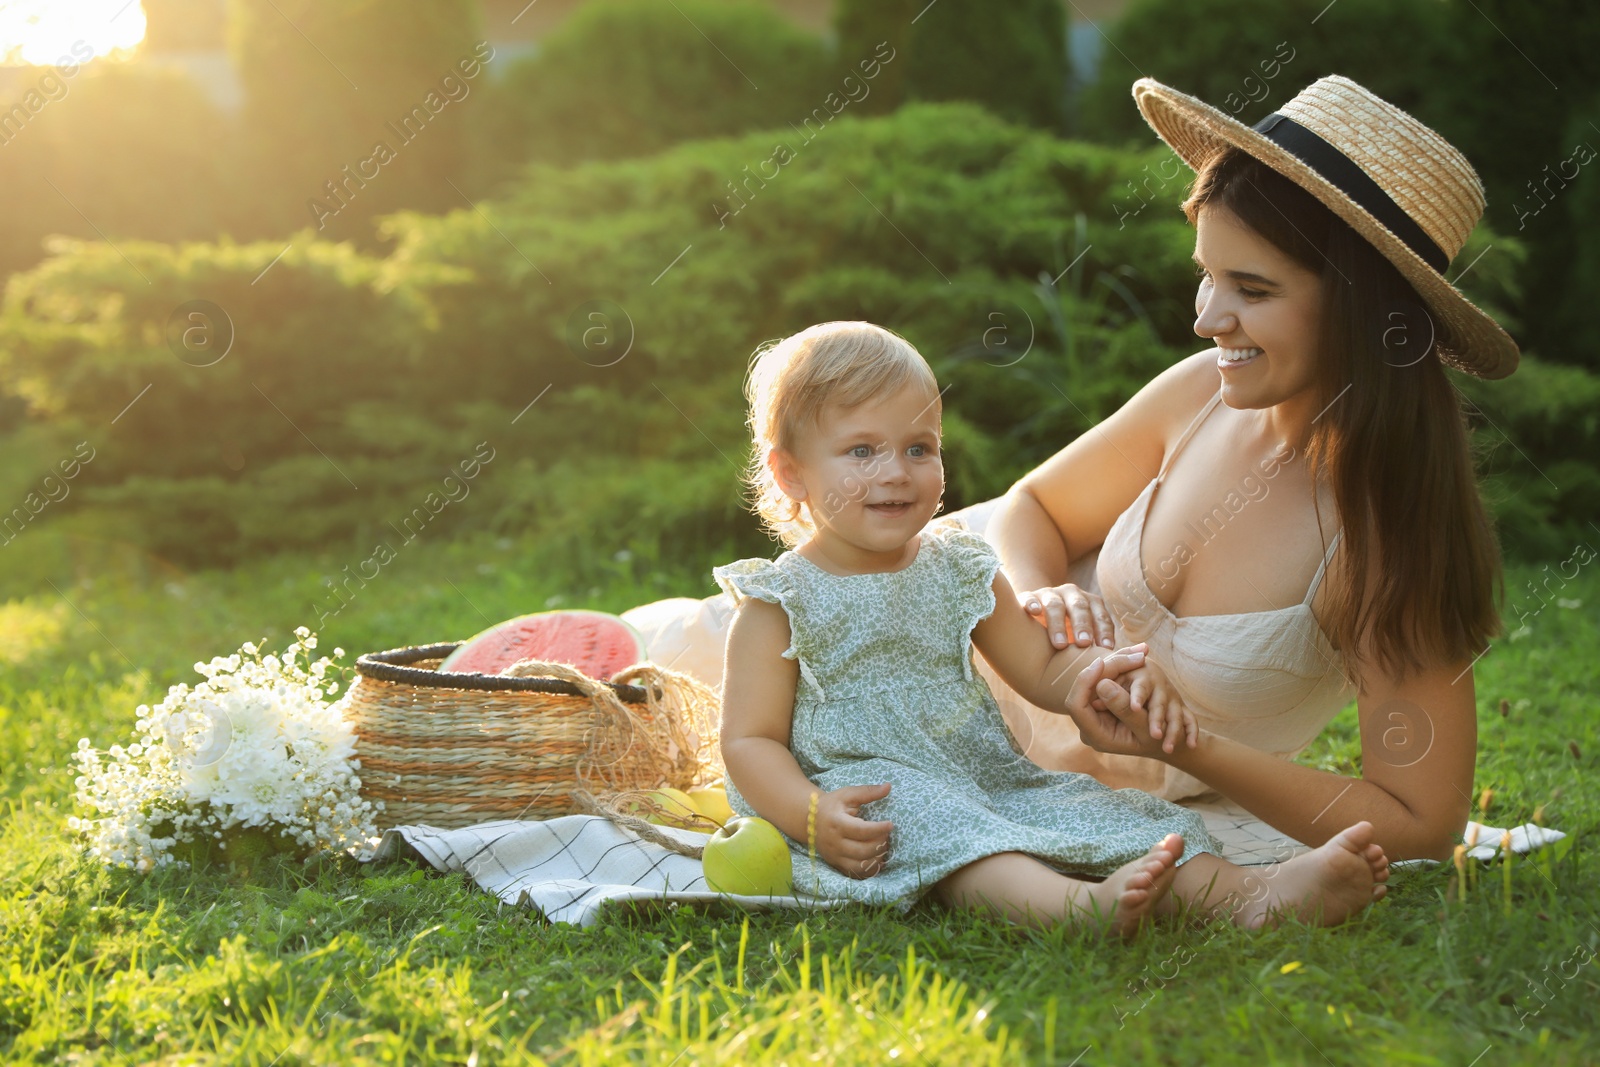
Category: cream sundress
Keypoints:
(1268, 679)
(888, 693)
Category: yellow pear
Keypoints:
(712, 802)
(668, 807)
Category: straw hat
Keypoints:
(1398, 183)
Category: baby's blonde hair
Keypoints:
(792, 380)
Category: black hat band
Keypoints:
(1343, 174)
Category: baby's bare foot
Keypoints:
(1127, 898)
(1324, 886)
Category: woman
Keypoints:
(1290, 519)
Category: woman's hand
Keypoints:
(1070, 615)
(1106, 718)
(849, 843)
(1099, 704)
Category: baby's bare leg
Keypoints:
(1028, 892)
(1324, 886)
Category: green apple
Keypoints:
(712, 800)
(750, 857)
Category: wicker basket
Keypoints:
(452, 750)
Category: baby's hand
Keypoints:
(846, 841)
(1123, 661)
(1150, 691)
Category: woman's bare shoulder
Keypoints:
(1169, 401)
(1185, 387)
(1092, 479)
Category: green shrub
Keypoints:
(312, 420)
(353, 371)
(1539, 433)
(1010, 57)
(1562, 300)
(860, 27)
(593, 328)
(1521, 137)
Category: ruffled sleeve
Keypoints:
(971, 563)
(762, 579)
(765, 580)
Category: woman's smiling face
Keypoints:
(1255, 302)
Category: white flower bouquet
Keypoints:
(254, 760)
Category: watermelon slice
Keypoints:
(596, 643)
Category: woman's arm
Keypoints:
(758, 691)
(1026, 538)
(1418, 745)
(1063, 509)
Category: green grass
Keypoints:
(345, 963)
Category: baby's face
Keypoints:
(872, 475)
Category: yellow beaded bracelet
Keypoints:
(811, 826)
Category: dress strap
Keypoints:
(1323, 568)
(1188, 432)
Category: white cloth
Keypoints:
(569, 868)
(573, 868)
(1524, 839)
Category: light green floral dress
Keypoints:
(888, 693)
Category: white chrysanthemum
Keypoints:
(256, 744)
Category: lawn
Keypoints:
(346, 963)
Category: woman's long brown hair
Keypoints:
(1392, 442)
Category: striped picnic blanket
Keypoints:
(572, 868)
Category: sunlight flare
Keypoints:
(44, 32)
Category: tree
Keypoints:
(861, 26)
(353, 108)
(1008, 55)
(628, 78)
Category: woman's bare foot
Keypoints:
(1129, 895)
(1324, 886)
